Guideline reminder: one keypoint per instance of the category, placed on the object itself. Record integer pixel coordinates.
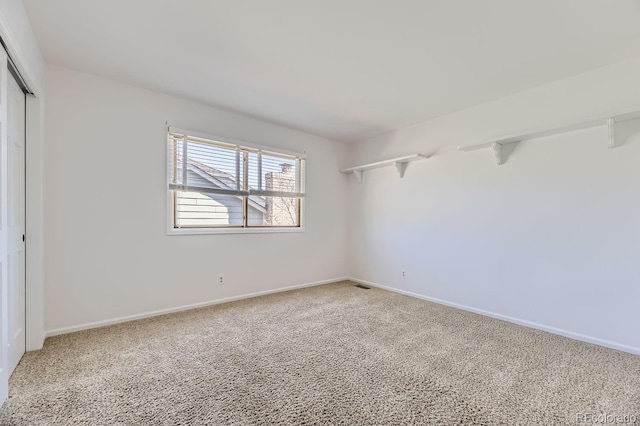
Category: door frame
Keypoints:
(4, 229)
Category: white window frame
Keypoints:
(172, 230)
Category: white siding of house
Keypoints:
(195, 209)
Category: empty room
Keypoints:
(319, 212)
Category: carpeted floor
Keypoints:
(333, 354)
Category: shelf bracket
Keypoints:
(611, 132)
(497, 152)
(401, 167)
(400, 163)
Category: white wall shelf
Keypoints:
(609, 120)
(400, 163)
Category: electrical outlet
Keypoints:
(403, 273)
(221, 280)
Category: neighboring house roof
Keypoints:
(222, 180)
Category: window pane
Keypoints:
(208, 166)
(273, 211)
(207, 210)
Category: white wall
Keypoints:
(108, 255)
(551, 238)
(16, 31)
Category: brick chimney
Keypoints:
(281, 211)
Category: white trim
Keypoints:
(35, 252)
(112, 321)
(5, 352)
(553, 330)
(233, 230)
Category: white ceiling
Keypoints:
(344, 69)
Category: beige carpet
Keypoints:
(333, 354)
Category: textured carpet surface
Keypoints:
(333, 354)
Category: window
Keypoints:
(216, 184)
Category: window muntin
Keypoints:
(221, 185)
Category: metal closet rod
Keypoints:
(13, 69)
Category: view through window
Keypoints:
(217, 184)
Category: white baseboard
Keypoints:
(570, 334)
(112, 321)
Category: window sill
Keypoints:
(215, 231)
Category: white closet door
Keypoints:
(16, 221)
